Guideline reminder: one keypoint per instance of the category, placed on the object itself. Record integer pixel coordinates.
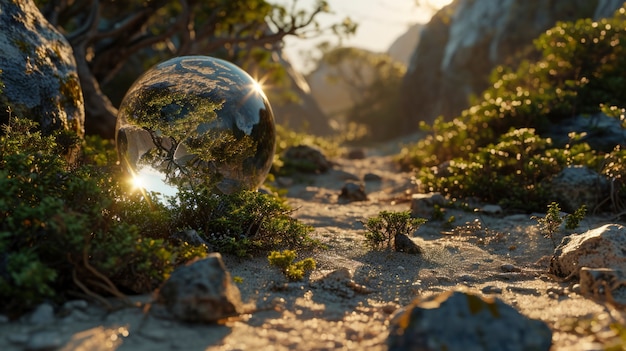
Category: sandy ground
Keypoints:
(501, 255)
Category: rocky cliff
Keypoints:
(304, 114)
(464, 41)
(402, 48)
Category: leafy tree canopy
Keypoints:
(108, 36)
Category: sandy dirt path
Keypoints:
(500, 255)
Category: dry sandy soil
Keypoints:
(503, 255)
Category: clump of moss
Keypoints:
(294, 271)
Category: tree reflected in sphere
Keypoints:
(192, 120)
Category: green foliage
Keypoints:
(514, 172)
(381, 230)
(494, 150)
(573, 220)
(82, 230)
(614, 167)
(373, 82)
(242, 223)
(61, 227)
(552, 221)
(294, 271)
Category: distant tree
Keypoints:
(107, 35)
(373, 81)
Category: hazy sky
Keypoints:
(380, 23)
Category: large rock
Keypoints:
(464, 41)
(575, 186)
(600, 131)
(603, 247)
(37, 70)
(402, 48)
(201, 291)
(303, 114)
(457, 320)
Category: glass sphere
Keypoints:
(196, 119)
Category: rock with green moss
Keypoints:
(459, 320)
(37, 70)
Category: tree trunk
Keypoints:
(100, 114)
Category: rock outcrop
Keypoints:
(602, 247)
(402, 48)
(37, 70)
(575, 186)
(201, 291)
(464, 41)
(335, 86)
(460, 320)
(304, 114)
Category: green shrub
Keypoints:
(62, 229)
(294, 271)
(81, 230)
(495, 150)
(381, 230)
(550, 224)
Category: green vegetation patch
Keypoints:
(496, 150)
(80, 230)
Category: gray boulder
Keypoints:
(458, 320)
(604, 284)
(352, 191)
(303, 114)
(423, 205)
(306, 159)
(603, 247)
(201, 291)
(601, 132)
(575, 186)
(37, 70)
(464, 41)
(402, 243)
(402, 48)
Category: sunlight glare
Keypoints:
(437, 4)
(138, 182)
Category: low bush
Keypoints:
(496, 150)
(382, 229)
(80, 230)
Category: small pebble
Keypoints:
(18, 338)
(76, 304)
(509, 268)
(43, 314)
(77, 316)
(47, 340)
(371, 177)
(390, 308)
(526, 291)
(491, 289)
(154, 334)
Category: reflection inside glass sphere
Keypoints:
(192, 120)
